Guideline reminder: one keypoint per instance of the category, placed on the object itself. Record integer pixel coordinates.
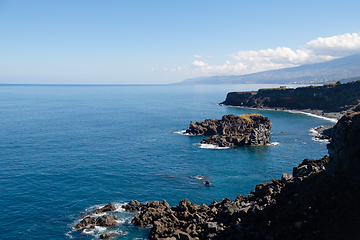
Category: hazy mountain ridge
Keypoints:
(344, 69)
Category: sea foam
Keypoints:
(316, 136)
(182, 132)
(211, 146)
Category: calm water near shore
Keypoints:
(65, 150)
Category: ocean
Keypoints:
(68, 149)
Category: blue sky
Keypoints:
(156, 42)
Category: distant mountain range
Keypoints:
(343, 69)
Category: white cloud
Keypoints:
(197, 64)
(338, 46)
(318, 50)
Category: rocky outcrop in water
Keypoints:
(104, 221)
(319, 200)
(234, 130)
(88, 221)
(107, 208)
(132, 206)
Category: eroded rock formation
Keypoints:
(234, 130)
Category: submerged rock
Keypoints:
(234, 130)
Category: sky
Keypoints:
(162, 42)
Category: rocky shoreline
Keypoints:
(319, 200)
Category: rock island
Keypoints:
(234, 130)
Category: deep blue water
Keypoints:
(65, 150)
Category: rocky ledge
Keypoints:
(234, 130)
(319, 200)
(220, 220)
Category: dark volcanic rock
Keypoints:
(234, 130)
(133, 206)
(344, 148)
(107, 208)
(319, 201)
(85, 222)
(106, 221)
(324, 132)
(108, 235)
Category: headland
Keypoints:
(329, 100)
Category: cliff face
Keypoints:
(344, 148)
(234, 130)
(331, 97)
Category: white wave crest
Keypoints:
(121, 221)
(199, 177)
(119, 207)
(211, 146)
(317, 136)
(272, 144)
(182, 132)
(313, 132)
(320, 140)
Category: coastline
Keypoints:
(307, 204)
(331, 116)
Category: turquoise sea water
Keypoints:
(65, 150)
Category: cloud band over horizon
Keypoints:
(247, 62)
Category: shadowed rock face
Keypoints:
(234, 130)
(344, 148)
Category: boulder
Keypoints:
(286, 177)
(85, 222)
(108, 235)
(133, 206)
(107, 208)
(106, 221)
